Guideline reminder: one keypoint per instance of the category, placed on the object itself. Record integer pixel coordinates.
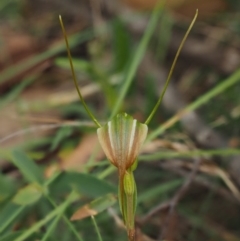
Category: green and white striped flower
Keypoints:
(121, 140)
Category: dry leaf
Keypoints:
(83, 212)
(78, 158)
(94, 207)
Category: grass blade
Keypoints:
(72, 197)
(27, 167)
(8, 214)
(183, 154)
(230, 81)
(96, 228)
(137, 58)
(29, 63)
(51, 227)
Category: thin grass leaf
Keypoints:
(170, 154)
(96, 228)
(166, 26)
(11, 211)
(19, 68)
(9, 214)
(27, 167)
(121, 45)
(94, 73)
(204, 153)
(137, 58)
(51, 228)
(70, 225)
(81, 64)
(17, 90)
(61, 135)
(106, 172)
(159, 190)
(227, 83)
(7, 187)
(61, 208)
(171, 70)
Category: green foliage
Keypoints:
(137, 57)
(7, 187)
(28, 195)
(28, 168)
(85, 184)
(9, 213)
(121, 45)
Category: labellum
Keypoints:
(121, 140)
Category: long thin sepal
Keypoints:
(74, 75)
(171, 70)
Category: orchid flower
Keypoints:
(121, 139)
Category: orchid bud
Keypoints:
(129, 183)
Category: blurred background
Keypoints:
(188, 176)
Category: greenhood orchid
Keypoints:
(121, 140)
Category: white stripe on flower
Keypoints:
(132, 136)
(110, 134)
